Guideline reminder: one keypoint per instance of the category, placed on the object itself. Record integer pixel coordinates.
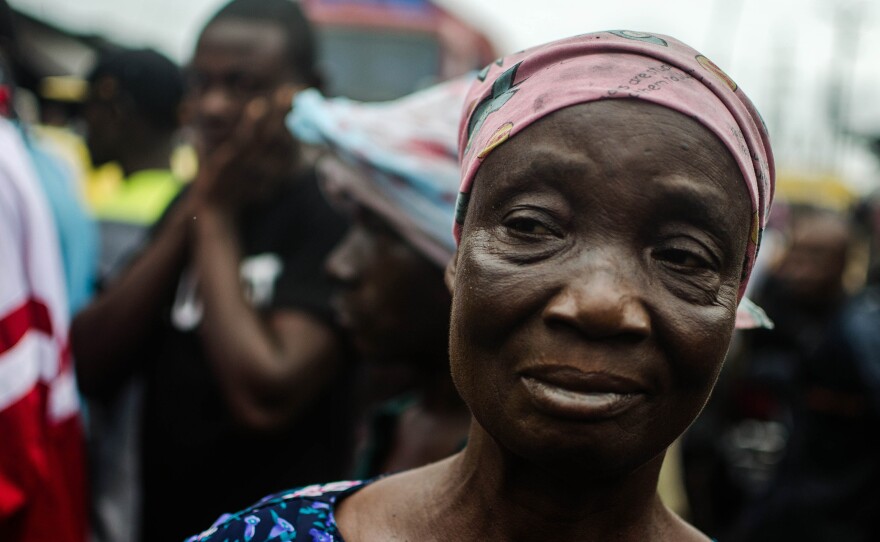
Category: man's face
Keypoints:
(105, 122)
(813, 268)
(236, 60)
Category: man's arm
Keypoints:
(268, 367)
(108, 336)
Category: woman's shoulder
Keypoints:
(302, 514)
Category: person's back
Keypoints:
(226, 311)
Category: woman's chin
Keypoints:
(578, 451)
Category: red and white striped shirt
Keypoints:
(42, 469)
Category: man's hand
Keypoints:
(258, 154)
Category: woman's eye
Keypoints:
(528, 226)
(684, 258)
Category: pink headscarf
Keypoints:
(514, 92)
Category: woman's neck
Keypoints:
(526, 499)
(485, 493)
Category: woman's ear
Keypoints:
(449, 274)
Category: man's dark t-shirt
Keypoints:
(197, 462)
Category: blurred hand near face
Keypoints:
(256, 155)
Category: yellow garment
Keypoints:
(98, 184)
(671, 485)
(141, 198)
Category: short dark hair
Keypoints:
(301, 49)
(154, 83)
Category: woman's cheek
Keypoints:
(493, 297)
(493, 302)
(702, 335)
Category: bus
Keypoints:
(373, 50)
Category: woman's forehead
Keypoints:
(623, 117)
(600, 148)
(608, 138)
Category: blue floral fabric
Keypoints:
(298, 515)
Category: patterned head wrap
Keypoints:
(398, 158)
(515, 91)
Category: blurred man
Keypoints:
(226, 311)
(131, 115)
(735, 448)
(803, 296)
(42, 490)
(815, 377)
(826, 487)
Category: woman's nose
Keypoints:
(340, 264)
(347, 263)
(601, 303)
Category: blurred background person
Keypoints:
(393, 166)
(131, 116)
(867, 217)
(226, 311)
(791, 424)
(42, 478)
(734, 450)
(825, 487)
(802, 296)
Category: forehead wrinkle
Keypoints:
(536, 166)
(546, 162)
(698, 203)
(682, 187)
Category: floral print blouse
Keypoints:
(298, 515)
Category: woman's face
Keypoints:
(595, 287)
(390, 297)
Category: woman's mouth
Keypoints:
(571, 393)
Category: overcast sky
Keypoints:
(784, 53)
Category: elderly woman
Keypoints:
(614, 189)
(393, 167)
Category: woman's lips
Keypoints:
(571, 393)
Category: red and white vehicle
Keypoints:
(383, 49)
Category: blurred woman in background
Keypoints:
(393, 168)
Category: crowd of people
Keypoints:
(494, 309)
